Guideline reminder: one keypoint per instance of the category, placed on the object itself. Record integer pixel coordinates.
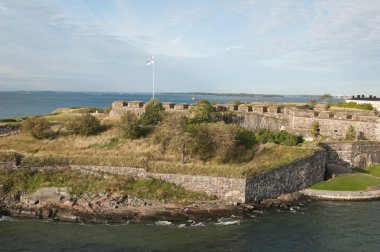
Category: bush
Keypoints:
(202, 111)
(350, 133)
(174, 134)
(85, 125)
(153, 113)
(264, 136)
(312, 103)
(38, 127)
(224, 141)
(315, 129)
(279, 137)
(246, 138)
(285, 138)
(130, 126)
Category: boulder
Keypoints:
(45, 195)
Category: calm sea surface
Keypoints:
(322, 226)
(31, 103)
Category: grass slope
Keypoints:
(373, 170)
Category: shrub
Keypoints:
(38, 127)
(246, 138)
(285, 138)
(153, 113)
(264, 136)
(202, 111)
(203, 144)
(350, 133)
(278, 137)
(224, 141)
(311, 104)
(174, 134)
(237, 102)
(130, 126)
(315, 129)
(85, 125)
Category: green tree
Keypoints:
(85, 125)
(130, 126)
(202, 111)
(350, 133)
(174, 133)
(153, 113)
(38, 127)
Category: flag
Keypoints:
(150, 61)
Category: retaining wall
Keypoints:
(354, 154)
(286, 178)
(230, 189)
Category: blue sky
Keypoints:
(279, 46)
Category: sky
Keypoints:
(252, 46)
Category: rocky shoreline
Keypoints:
(57, 204)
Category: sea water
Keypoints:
(318, 226)
(30, 103)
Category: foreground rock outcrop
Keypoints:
(106, 207)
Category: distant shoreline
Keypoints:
(169, 93)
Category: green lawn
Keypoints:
(373, 170)
(349, 182)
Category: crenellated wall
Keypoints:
(333, 124)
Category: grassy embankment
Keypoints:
(109, 149)
(80, 183)
(359, 181)
(351, 106)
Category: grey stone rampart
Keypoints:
(286, 178)
(230, 189)
(354, 154)
(255, 121)
(336, 128)
(332, 123)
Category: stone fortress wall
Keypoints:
(331, 123)
(287, 178)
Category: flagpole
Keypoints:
(153, 76)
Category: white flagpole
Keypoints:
(153, 75)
